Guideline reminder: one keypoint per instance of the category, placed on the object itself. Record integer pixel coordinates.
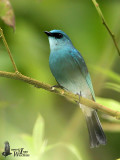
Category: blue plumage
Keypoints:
(70, 71)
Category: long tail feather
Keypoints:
(96, 134)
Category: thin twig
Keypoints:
(61, 92)
(8, 50)
(106, 25)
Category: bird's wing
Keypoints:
(78, 59)
(7, 147)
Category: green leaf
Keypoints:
(70, 147)
(6, 13)
(38, 134)
(110, 103)
(42, 149)
(74, 150)
(113, 86)
(110, 74)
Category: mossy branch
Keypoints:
(106, 25)
(18, 76)
(59, 91)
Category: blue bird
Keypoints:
(70, 71)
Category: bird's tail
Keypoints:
(96, 134)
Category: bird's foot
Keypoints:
(80, 95)
(56, 86)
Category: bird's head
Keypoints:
(57, 39)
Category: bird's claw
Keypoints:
(56, 86)
(53, 87)
(79, 94)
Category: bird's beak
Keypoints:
(48, 33)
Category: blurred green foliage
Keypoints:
(20, 103)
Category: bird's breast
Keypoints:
(67, 72)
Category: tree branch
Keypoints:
(8, 50)
(18, 76)
(59, 91)
(106, 25)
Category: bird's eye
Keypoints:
(58, 35)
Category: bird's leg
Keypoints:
(79, 94)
